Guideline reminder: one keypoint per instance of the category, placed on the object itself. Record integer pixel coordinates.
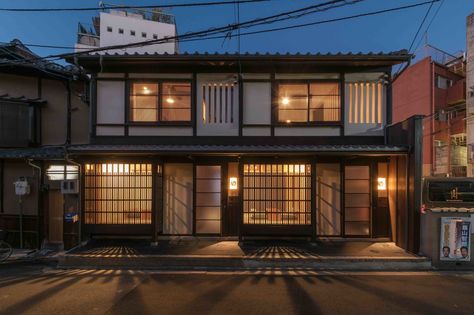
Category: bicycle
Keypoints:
(5, 249)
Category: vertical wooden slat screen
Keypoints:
(218, 103)
(118, 193)
(365, 101)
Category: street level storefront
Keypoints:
(344, 194)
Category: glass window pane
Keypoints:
(324, 88)
(357, 228)
(357, 186)
(357, 172)
(144, 89)
(357, 214)
(177, 88)
(289, 90)
(176, 114)
(292, 115)
(357, 200)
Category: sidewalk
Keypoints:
(212, 254)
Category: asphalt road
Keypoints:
(30, 289)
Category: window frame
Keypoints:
(307, 82)
(159, 104)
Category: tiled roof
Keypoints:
(32, 153)
(59, 152)
(16, 53)
(22, 99)
(98, 148)
(397, 53)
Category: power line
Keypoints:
(286, 27)
(429, 24)
(421, 25)
(176, 5)
(202, 33)
(418, 31)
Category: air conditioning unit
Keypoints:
(70, 186)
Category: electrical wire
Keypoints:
(60, 56)
(203, 33)
(158, 6)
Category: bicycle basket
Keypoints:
(3, 235)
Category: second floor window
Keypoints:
(309, 102)
(160, 102)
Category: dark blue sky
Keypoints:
(385, 32)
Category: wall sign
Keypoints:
(455, 240)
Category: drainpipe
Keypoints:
(39, 181)
(69, 109)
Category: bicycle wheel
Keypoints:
(5, 251)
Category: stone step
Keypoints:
(205, 262)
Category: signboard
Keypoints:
(455, 241)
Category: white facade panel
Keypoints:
(302, 76)
(308, 131)
(110, 102)
(217, 105)
(110, 131)
(256, 131)
(178, 199)
(159, 131)
(257, 102)
(110, 75)
(160, 75)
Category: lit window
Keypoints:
(164, 101)
(277, 194)
(118, 193)
(308, 102)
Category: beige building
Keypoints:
(42, 110)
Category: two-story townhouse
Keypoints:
(42, 110)
(249, 145)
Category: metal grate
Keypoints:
(118, 193)
(277, 194)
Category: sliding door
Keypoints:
(357, 200)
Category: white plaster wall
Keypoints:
(308, 131)
(257, 102)
(110, 102)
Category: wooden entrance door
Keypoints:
(56, 213)
(357, 200)
(208, 199)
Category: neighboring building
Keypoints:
(470, 91)
(291, 146)
(118, 27)
(436, 91)
(41, 106)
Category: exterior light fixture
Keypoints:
(233, 185)
(62, 172)
(381, 183)
(285, 101)
(288, 121)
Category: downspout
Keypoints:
(39, 182)
(432, 125)
(69, 109)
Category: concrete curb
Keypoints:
(170, 262)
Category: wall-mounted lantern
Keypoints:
(233, 183)
(381, 183)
